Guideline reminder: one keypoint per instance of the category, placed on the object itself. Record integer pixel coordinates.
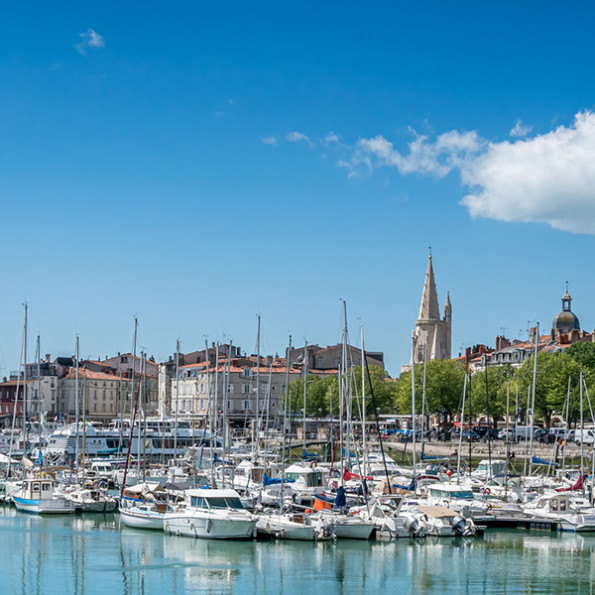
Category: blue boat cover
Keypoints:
(269, 481)
(537, 461)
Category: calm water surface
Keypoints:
(91, 555)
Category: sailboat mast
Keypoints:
(413, 407)
(423, 397)
(580, 379)
(133, 367)
(177, 398)
(364, 429)
(39, 392)
(566, 423)
(533, 400)
(507, 442)
(211, 408)
(143, 417)
(256, 423)
(84, 426)
(25, 385)
(76, 401)
(459, 449)
(304, 450)
(485, 369)
(346, 391)
(285, 408)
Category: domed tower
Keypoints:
(565, 321)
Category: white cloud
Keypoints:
(520, 130)
(330, 138)
(90, 39)
(296, 137)
(269, 140)
(547, 179)
(450, 150)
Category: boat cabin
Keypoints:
(215, 499)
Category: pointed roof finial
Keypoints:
(428, 309)
(430, 251)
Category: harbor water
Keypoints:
(92, 554)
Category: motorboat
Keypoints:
(37, 495)
(390, 521)
(92, 498)
(293, 525)
(565, 509)
(211, 514)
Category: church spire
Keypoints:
(428, 309)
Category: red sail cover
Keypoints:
(347, 475)
(577, 486)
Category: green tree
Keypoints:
(551, 386)
(444, 388)
(496, 388)
(583, 353)
(323, 391)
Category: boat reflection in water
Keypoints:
(213, 566)
(88, 555)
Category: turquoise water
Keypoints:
(90, 555)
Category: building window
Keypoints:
(245, 389)
(202, 387)
(247, 372)
(229, 405)
(246, 405)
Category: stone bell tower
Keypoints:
(432, 334)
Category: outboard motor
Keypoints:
(459, 526)
(411, 525)
(414, 526)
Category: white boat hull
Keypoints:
(45, 506)
(206, 526)
(142, 520)
(283, 528)
(353, 530)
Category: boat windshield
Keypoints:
(225, 503)
(228, 502)
(459, 495)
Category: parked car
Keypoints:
(584, 436)
(562, 434)
(502, 433)
(544, 436)
(470, 435)
(524, 432)
(484, 432)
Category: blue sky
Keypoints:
(195, 164)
